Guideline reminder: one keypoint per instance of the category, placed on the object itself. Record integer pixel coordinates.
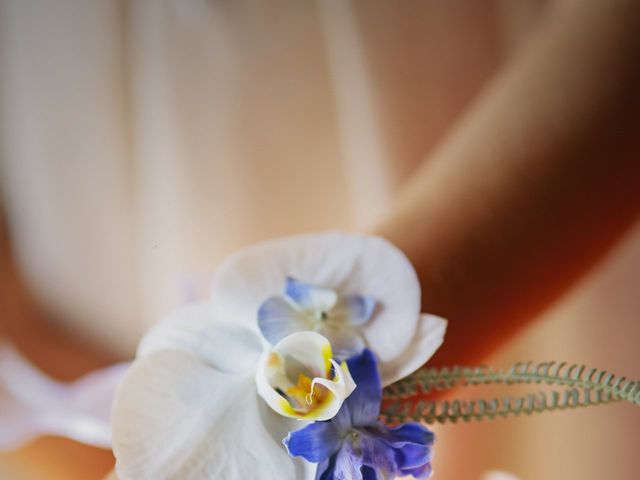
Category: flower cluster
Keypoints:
(354, 445)
(297, 342)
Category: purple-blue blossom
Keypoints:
(354, 445)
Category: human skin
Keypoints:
(536, 182)
(533, 185)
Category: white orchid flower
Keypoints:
(202, 397)
(300, 379)
(189, 408)
(356, 290)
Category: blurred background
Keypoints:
(143, 141)
(595, 324)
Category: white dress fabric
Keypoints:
(143, 141)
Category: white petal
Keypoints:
(176, 417)
(308, 348)
(32, 404)
(428, 339)
(349, 264)
(355, 309)
(256, 273)
(197, 329)
(264, 377)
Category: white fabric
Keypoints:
(143, 141)
(33, 404)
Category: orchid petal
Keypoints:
(345, 340)
(277, 319)
(341, 386)
(32, 404)
(429, 337)
(195, 329)
(356, 309)
(309, 296)
(308, 348)
(188, 407)
(177, 417)
(348, 264)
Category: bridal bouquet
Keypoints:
(305, 364)
(280, 376)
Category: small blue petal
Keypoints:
(412, 444)
(296, 290)
(315, 442)
(378, 455)
(364, 402)
(277, 318)
(310, 297)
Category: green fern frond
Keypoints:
(405, 400)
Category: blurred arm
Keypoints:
(535, 183)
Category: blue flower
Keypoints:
(354, 445)
(306, 307)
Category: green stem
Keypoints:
(405, 400)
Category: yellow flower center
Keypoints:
(306, 396)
